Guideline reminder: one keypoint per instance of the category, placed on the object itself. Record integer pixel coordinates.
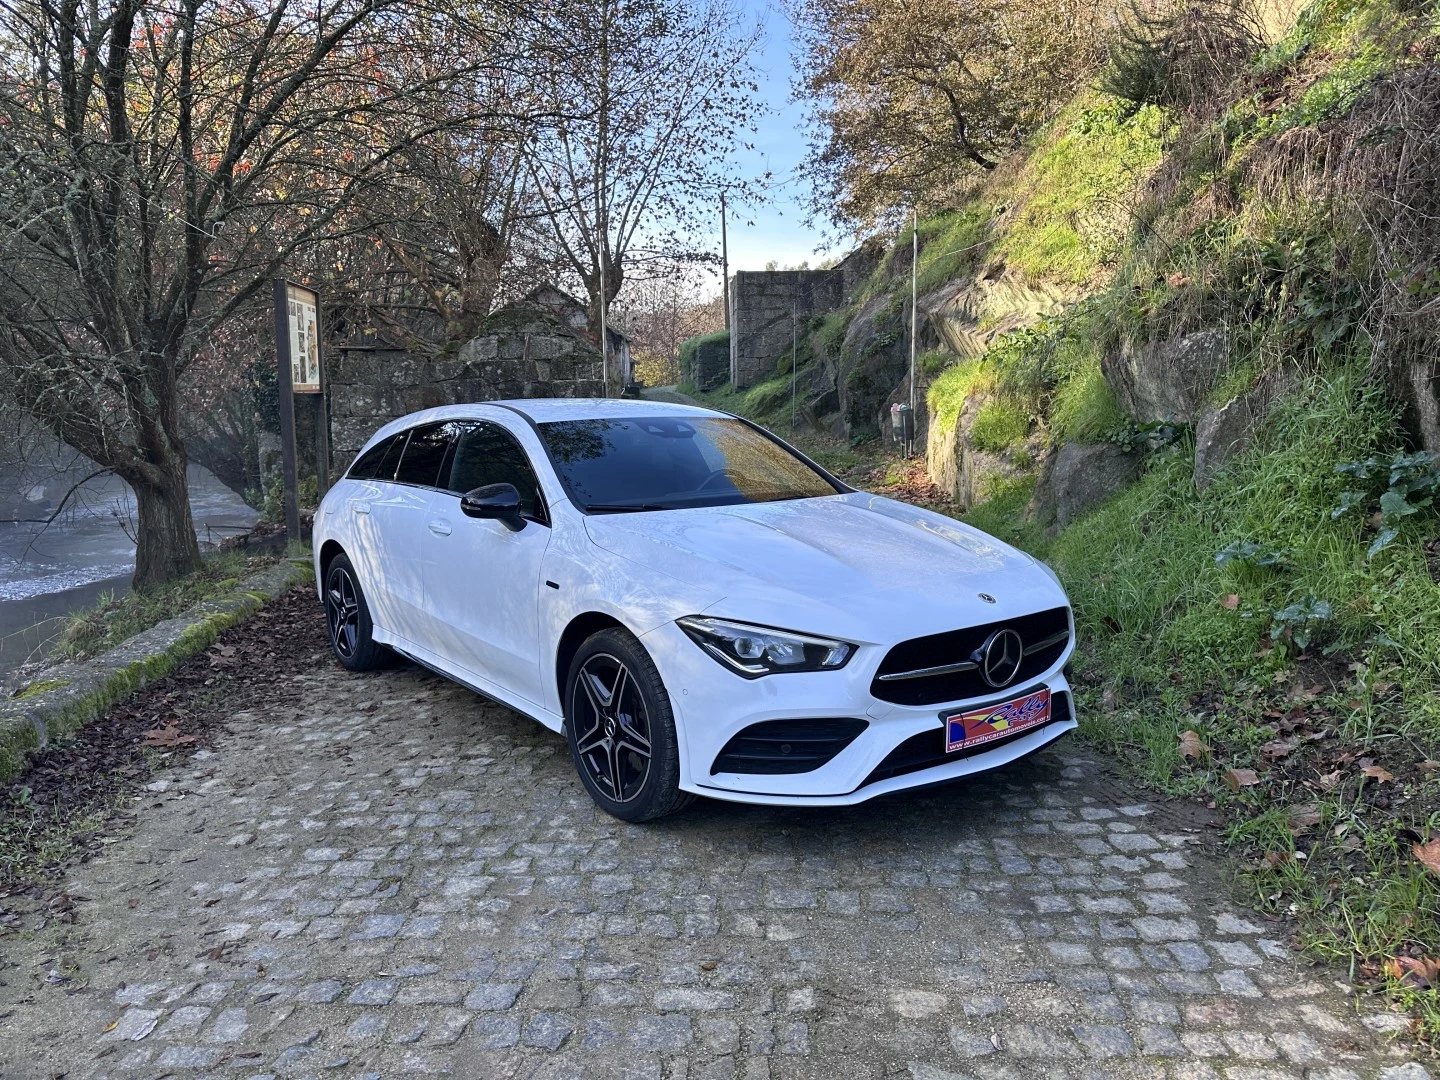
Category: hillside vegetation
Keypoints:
(1260, 630)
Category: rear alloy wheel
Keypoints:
(347, 617)
(621, 729)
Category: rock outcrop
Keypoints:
(965, 316)
(1168, 380)
(970, 475)
(1078, 477)
(1223, 433)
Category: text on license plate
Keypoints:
(967, 729)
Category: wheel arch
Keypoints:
(576, 631)
(328, 551)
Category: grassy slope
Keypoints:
(1248, 615)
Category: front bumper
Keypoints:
(711, 705)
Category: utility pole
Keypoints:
(914, 313)
(794, 348)
(724, 261)
(604, 345)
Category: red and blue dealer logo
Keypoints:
(968, 729)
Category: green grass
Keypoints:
(1084, 407)
(1002, 515)
(947, 394)
(1176, 640)
(999, 424)
(118, 617)
(1076, 220)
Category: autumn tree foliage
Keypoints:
(913, 98)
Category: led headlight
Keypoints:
(753, 651)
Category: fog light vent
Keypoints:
(787, 746)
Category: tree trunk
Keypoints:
(166, 547)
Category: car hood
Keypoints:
(854, 565)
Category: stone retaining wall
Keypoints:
(526, 355)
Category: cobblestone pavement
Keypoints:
(397, 878)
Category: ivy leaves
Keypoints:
(1410, 482)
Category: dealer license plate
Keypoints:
(966, 730)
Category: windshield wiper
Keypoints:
(622, 508)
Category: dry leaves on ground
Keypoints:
(1191, 746)
(1235, 779)
(1420, 973)
(1429, 855)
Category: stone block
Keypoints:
(1078, 477)
(1168, 380)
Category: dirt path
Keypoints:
(384, 875)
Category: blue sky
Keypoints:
(774, 230)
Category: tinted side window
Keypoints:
(487, 454)
(424, 453)
(372, 465)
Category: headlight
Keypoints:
(753, 651)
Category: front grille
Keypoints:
(787, 746)
(926, 750)
(1045, 632)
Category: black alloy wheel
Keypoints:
(347, 617)
(621, 729)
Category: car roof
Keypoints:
(542, 410)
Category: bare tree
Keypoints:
(661, 306)
(163, 160)
(662, 91)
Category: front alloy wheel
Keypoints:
(621, 729)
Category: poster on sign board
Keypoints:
(302, 316)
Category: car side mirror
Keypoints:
(500, 502)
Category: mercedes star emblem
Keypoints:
(999, 658)
(987, 598)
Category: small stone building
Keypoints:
(521, 352)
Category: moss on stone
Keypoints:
(63, 705)
(999, 424)
(40, 686)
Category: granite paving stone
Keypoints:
(395, 877)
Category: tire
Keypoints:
(610, 734)
(347, 620)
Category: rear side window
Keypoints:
(378, 463)
(424, 453)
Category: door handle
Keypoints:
(439, 527)
(359, 507)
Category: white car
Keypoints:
(694, 604)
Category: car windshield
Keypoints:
(668, 462)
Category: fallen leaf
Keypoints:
(1107, 698)
(1428, 766)
(1231, 601)
(1190, 745)
(166, 735)
(1429, 854)
(1377, 773)
(708, 965)
(1420, 973)
(1303, 817)
(1278, 749)
(1236, 779)
(1278, 858)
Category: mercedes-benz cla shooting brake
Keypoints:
(695, 605)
